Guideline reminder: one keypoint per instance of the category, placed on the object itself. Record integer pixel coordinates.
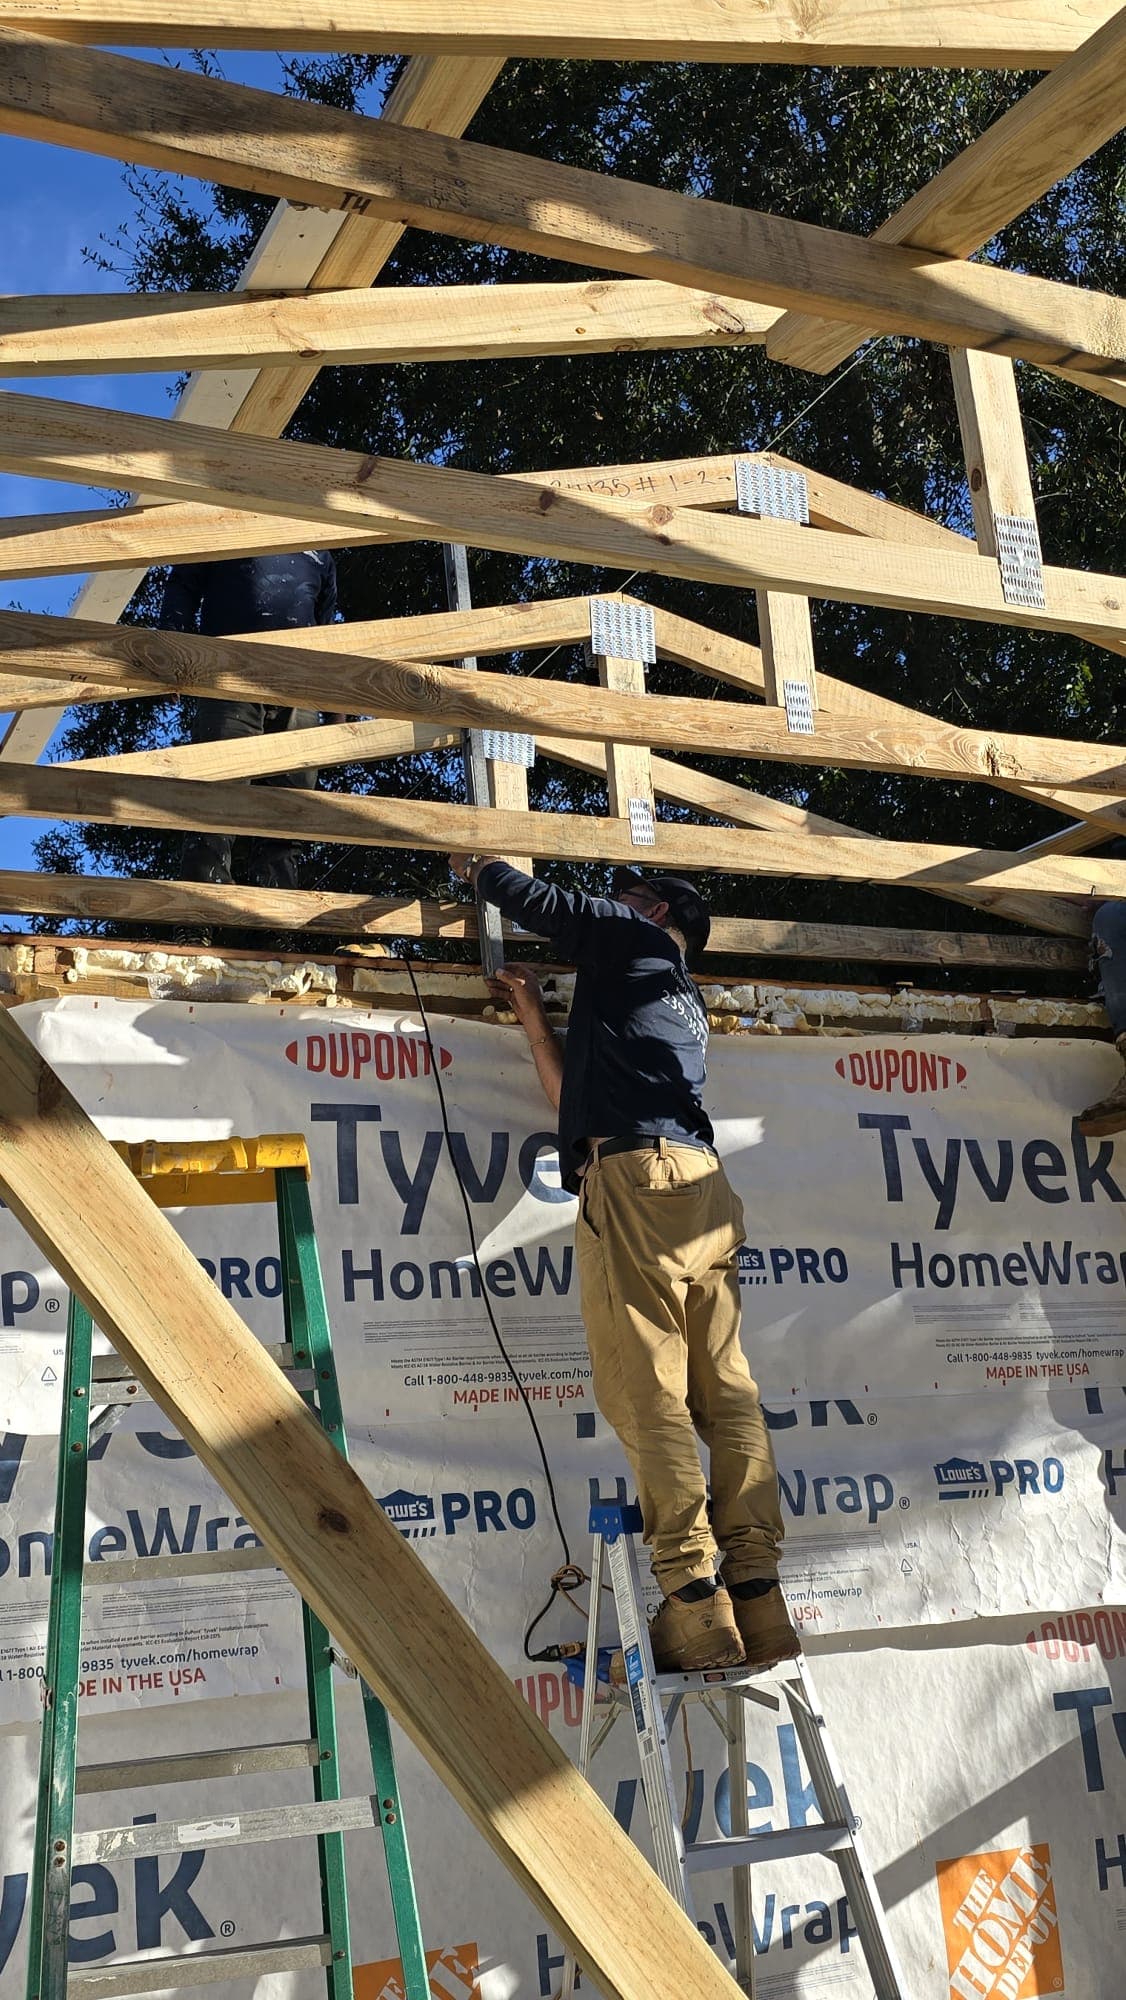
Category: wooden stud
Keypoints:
(102, 332)
(628, 766)
(102, 898)
(42, 437)
(993, 441)
(64, 792)
(884, 32)
(1059, 124)
(211, 1375)
(270, 144)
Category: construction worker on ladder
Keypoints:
(657, 1237)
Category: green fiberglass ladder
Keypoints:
(208, 1173)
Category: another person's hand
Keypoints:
(517, 986)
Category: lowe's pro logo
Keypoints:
(412, 1513)
(356, 1052)
(978, 1479)
(418, 1517)
(906, 1072)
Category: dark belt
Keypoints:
(646, 1143)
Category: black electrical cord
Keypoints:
(569, 1575)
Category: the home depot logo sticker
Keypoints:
(1002, 1931)
(453, 1976)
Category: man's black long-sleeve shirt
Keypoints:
(251, 594)
(636, 1046)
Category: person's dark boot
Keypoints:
(763, 1622)
(1109, 1114)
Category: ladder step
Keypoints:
(109, 1843)
(162, 1971)
(740, 1850)
(116, 1570)
(113, 1381)
(193, 1765)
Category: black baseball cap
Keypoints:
(687, 907)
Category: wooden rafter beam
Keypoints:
(135, 899)
(57, 791)
(96, 539)
(45, 438)
(417, 692)
(1052, 130)
(882, 32)
(211, 1375)
(270, 144)
(340, 743)
(100, 332)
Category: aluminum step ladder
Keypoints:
(655, 1700)
(212, 1172)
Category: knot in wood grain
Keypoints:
(998, 762)
(331, 1517)
(721, 316)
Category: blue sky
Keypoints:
(55, 205)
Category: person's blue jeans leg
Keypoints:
(1108, 940)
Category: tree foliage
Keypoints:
(839, 147)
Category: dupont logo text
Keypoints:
(1002, 1930)
(901, 1072)
(356, 1052)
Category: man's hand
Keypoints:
(467, 866)
(517, 986)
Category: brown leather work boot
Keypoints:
(1109, 1114)
(687, 1638)
(763, 1622)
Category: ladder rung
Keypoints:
(739, 1850)
(203, 1562)
(193, 1765)
(163, 1971)
(113, 1381)
(109, 1843)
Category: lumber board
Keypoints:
(741, 665)
(1053, 129)
(434, 94)
(1034, 35)
(439, 93)
(96, 539)
(417, 691)
(42, 437)
(997, 473)
(64, 792)
(181, 123)
(143, 900)
(740, 806)
(212, 1377)
(340, 743)
(101, 333)
(135, 899)
(317, 748)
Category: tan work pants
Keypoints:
(656, 1240)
